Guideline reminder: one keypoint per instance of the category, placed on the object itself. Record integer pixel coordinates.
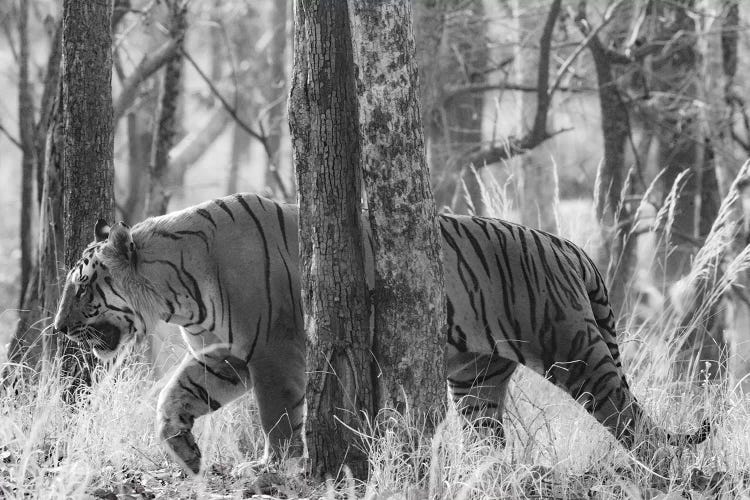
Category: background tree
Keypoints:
(323, 122)
(166, 125)
(539, 190)
(26, 137)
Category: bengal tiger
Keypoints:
(226, 271)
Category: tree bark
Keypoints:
(165, 131)
(26, 137)
(88, 139)
(409, 290)
(323, 121)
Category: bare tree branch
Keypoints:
(460, 90)
(259, 136)
(230, 109)
(147, 67)
(608, 16)
(514, 146)
(10, 137)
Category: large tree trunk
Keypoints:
(409, 292)
(88, 139)
(323, 121)
(166, 126)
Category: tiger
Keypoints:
(227, 272)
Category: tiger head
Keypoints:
(94, 308)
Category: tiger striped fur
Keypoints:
(226, 271)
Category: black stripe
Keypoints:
(206, 215)
(267, 257)
(224, 207)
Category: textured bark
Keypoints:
(88, 173)
(409, 336)
(323, 121)
(26, 137)
(539, 189)
(166, 125)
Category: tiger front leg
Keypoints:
(199, 386)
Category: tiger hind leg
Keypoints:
(199, 386)
(478, 385)
(279, 385)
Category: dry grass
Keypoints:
(105, 447)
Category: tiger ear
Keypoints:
(122, 241)
(101, 230)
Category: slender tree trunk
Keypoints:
(140, 139)
(26, 137)
(539, 190)
(88, 139)
(409, 291)
(429, 32)
(275, 92)
(240, 156)
(323, 121)
(616, 252)
(244, 40)
(166, 127)
(39, 301)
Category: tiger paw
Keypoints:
(183, 447)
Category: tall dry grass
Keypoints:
(106, 444)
